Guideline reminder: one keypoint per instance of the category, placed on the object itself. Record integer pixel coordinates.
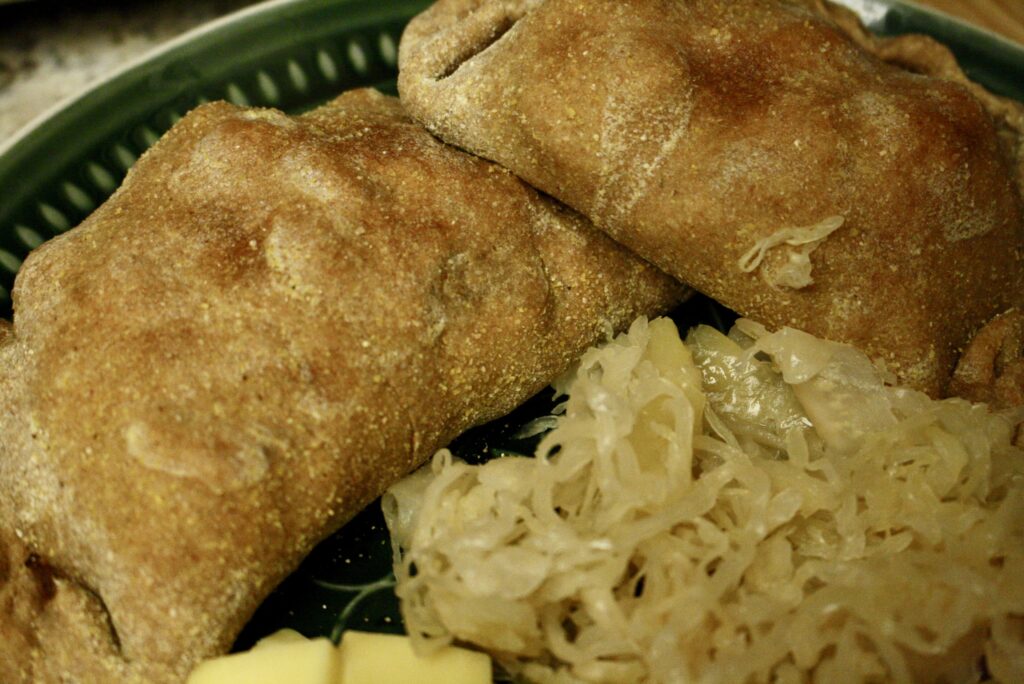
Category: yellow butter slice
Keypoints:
(389, 659)
(285, 657)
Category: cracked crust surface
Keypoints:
(272, 320)
(691, 131)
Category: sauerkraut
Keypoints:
(751, 507)
(795, 271)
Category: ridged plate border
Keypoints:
(289, 54)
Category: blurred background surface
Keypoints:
(50, 50)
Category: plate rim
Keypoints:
(1003, 42)
(69, 159)
(860, 7)
(885, 7)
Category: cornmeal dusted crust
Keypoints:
(272, 320)
(692, 130)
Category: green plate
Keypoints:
(287, 54)
(294, 55)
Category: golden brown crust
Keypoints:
(690, 131)
(991, 369)
(925, 55)
(272, 320)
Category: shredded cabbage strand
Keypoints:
(795, 271)
(752, 507)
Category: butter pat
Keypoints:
(389, 659)
(285, 657)
(280, 637)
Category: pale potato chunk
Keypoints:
(282, 658)
(389, 659)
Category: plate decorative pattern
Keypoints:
(294, 55)
(286, 54)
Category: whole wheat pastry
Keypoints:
(756, 149)
(272, 320)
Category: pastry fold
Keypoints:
(272, 320)
(755, 149)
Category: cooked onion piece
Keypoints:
(757, 507)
